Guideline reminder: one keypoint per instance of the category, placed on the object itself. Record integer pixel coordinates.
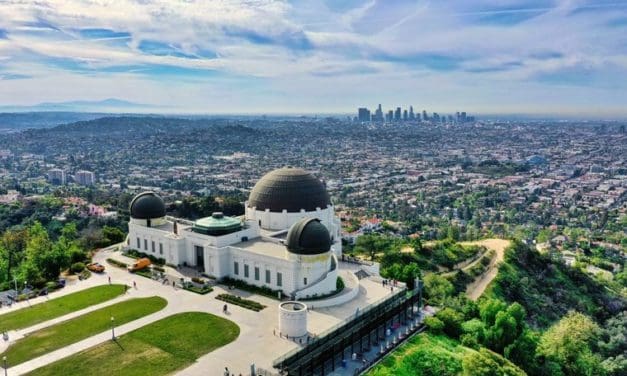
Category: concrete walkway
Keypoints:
(257, 342)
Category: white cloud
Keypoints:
(310, 54)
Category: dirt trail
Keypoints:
(478, 286)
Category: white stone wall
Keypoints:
(219, 257)
(283, 221)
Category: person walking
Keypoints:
(109, 279)
(135, 285)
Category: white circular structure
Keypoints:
(293, 319)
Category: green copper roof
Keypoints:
(217, 224)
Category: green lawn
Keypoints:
(67, 332)
(25, 317)
(160, 348)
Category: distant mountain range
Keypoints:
(111, 105)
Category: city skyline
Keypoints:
(485, 56)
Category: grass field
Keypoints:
(160, 348)
(67, 332)
(25, 317)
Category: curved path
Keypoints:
(478, 286)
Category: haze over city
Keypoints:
(566, 58)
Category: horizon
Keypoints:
(315, 57)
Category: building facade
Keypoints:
(288, 239)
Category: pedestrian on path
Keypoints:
(135, 285)
(226, 371)
(109, 279)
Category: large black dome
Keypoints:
(308, 237)
(290, 189)
(147, 205)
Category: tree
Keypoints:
(12, 246)
(452, 321)
(486, 363)
(523, 350)
(489, 308)
(434, 324)
(568, 344)
(112, 235)
(437, 288)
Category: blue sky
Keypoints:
(303, 56)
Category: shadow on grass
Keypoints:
(119, 344)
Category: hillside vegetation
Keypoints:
(548, 290)
(433, 355)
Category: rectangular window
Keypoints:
(235, 268)
(268, 276)
(160, 248)
(153, 246)
(139, 243)
(146, 244)
(305, 281)
(279, 279)
(245, 271)
(256, 273)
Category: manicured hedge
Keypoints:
(249, 304)
(117, 263)
(265, 291)
(133, 253)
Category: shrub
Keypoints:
(339, 284)
(246, 303)
(77, 267)
(452, 321)
(198, 290)
(261, 290)
(117, 263)
(434, 324)
(158, 268)
(133, 253)
(84, 274)
(198, 280)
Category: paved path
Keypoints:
(256, 343)
(478, 286)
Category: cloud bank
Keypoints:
(254, 56)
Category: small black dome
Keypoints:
(308, 237)
(290, 189)
(147, 205)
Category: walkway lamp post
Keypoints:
(4, 365)
(112, 328)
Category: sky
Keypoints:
(260, 56)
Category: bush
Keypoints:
(261, 290)
(452, 321)
(198, 290)
(133, 253)
(198, 280)
(77, 267)
(434, 324)
(339, 284)
(246, 303)
(158, 268)
(84, 274)
(117, 263)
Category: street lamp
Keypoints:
(4, 365)
(112, 329)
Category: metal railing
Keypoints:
(319, 338)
